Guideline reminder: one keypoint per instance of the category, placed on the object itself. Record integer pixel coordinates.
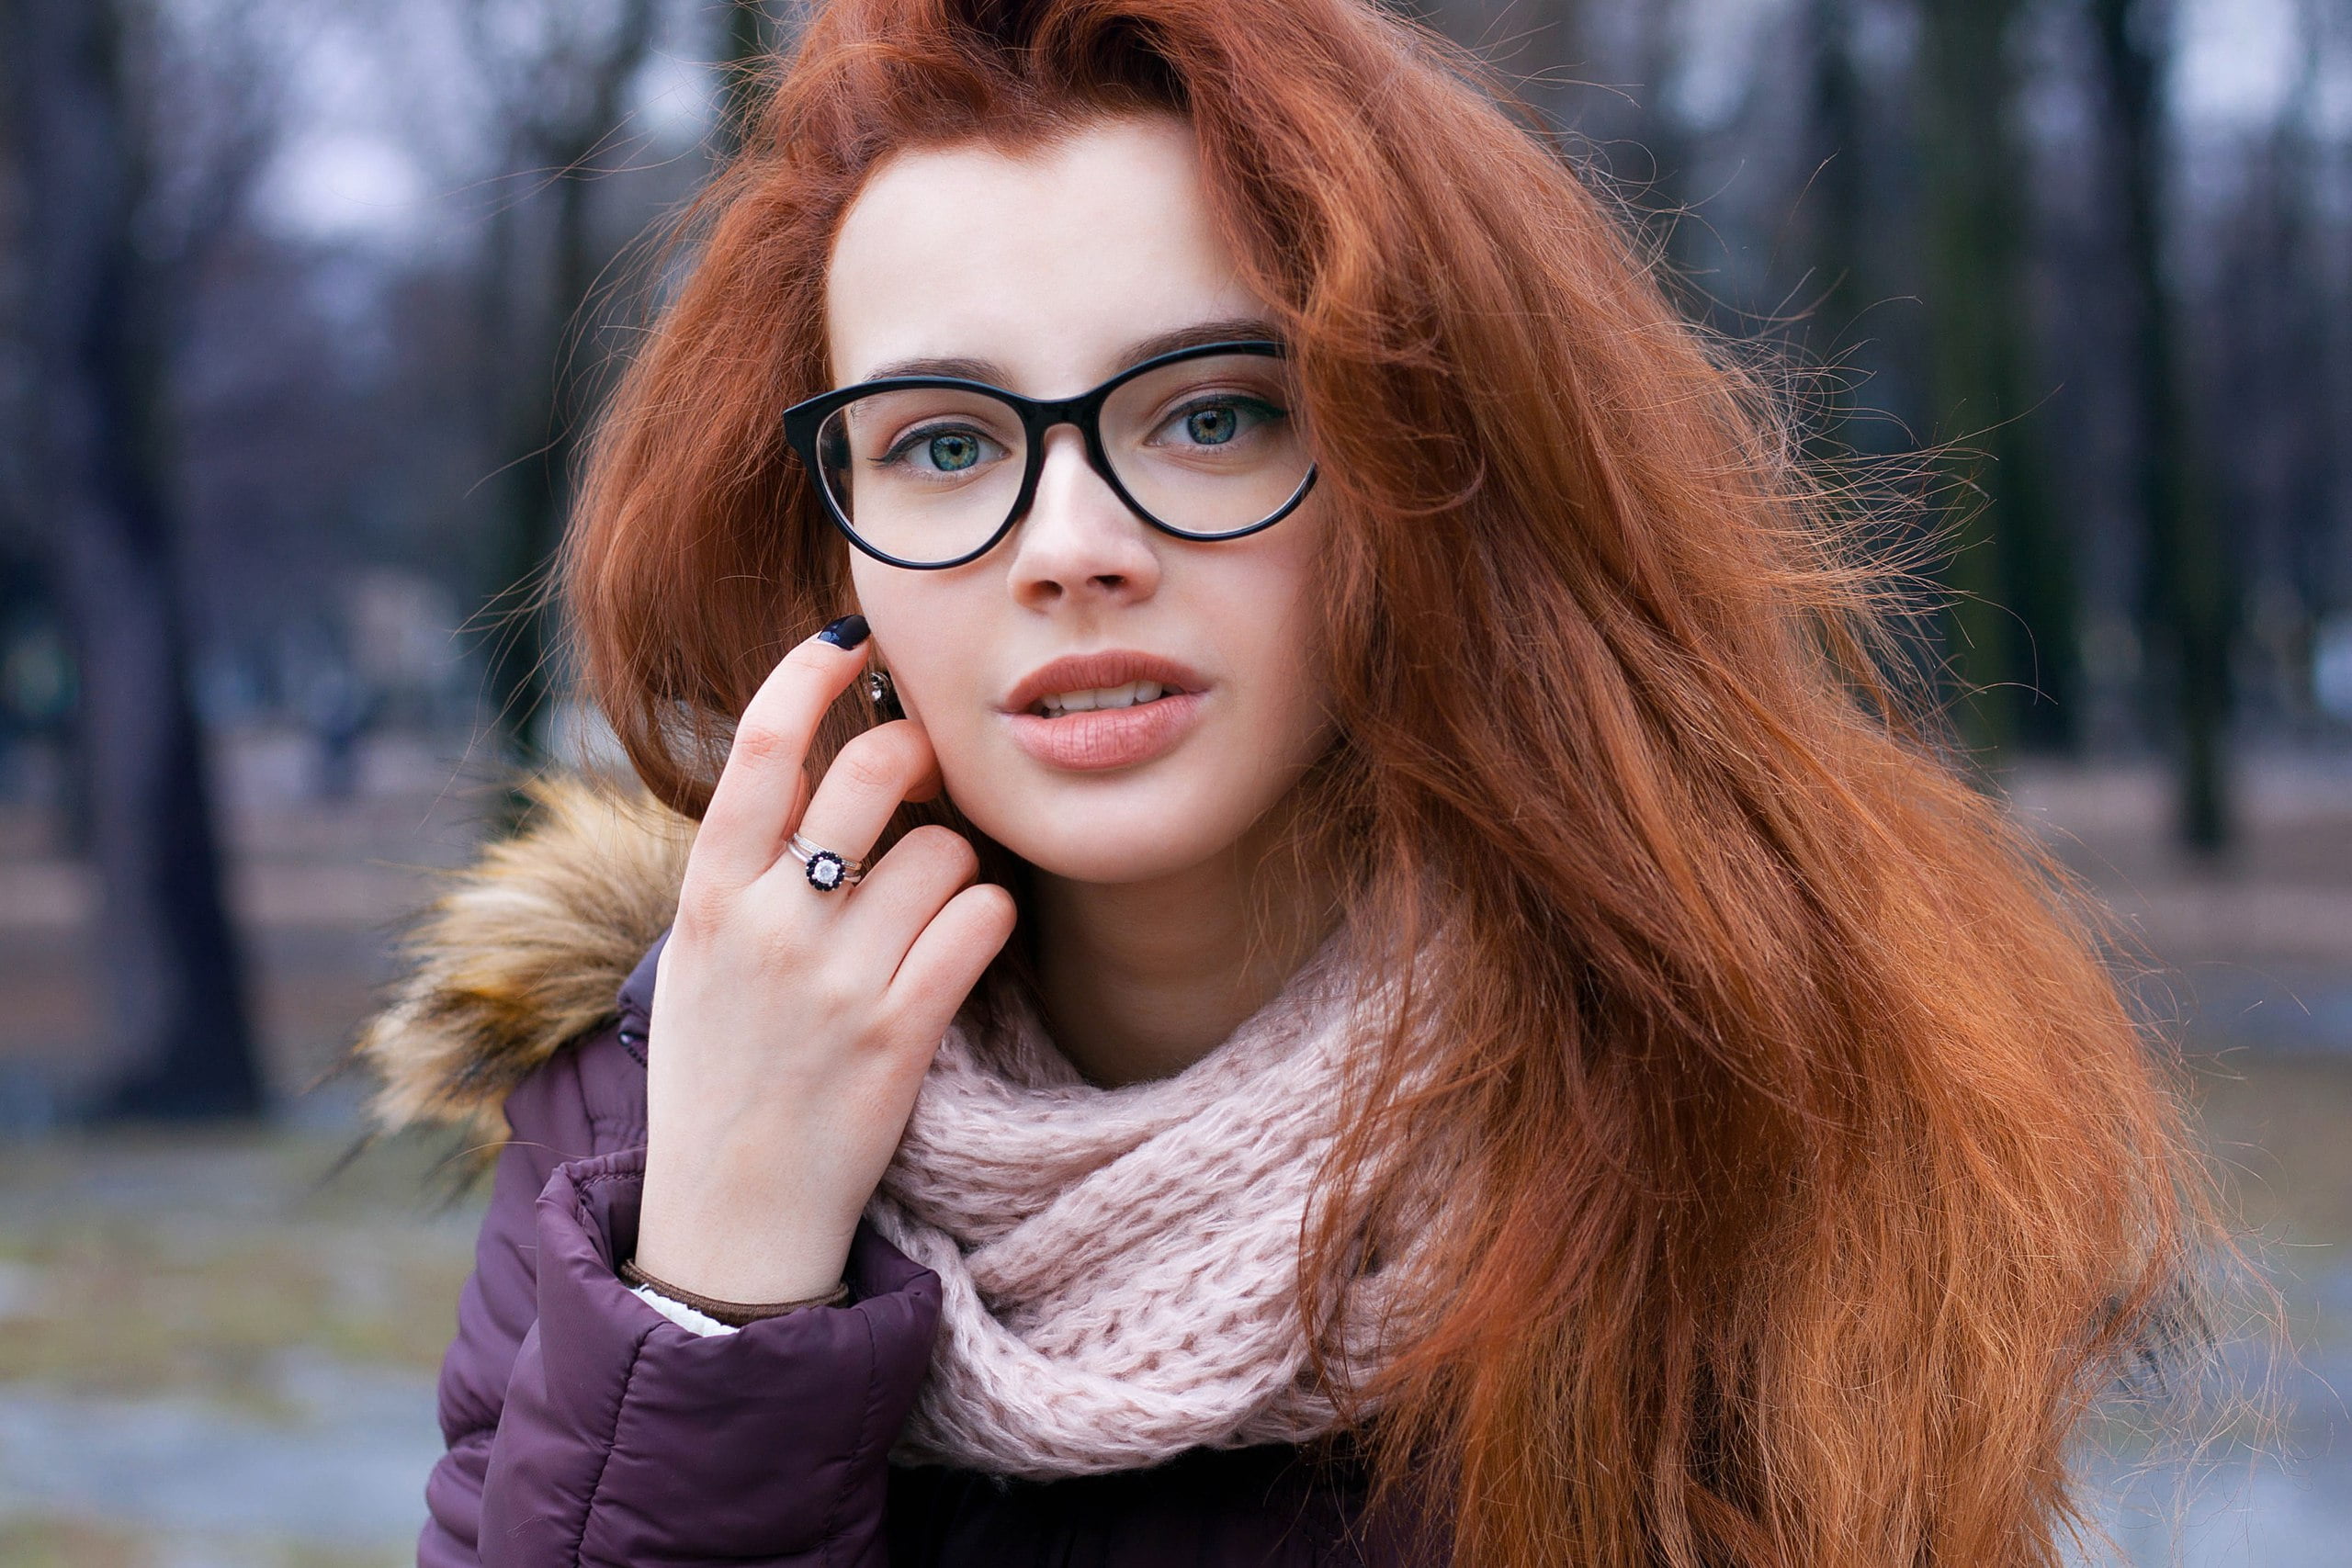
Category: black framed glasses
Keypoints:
(931, 471)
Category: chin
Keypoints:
(1099, 864)
(1104, 847)
(1106, 829)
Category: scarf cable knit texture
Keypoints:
(1121, 1265)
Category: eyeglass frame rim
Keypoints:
(804, 420)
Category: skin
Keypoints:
(792, 1028)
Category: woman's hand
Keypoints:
(791, 1026)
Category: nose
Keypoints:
(1078, 543)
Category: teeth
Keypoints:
(1128, 696)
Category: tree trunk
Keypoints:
(1836, 210)
(167, 951)
(556, 400)
(1664, 180)
(2011, 635)
(2189, 577)
(751, 38)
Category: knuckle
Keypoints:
(759, 743)
(868, 764)
(894, 1021)
(808, 659)
(905, 734)
(942, 847)
(829, 991)
(702, 909)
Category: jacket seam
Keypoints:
(865, 1440)
(628, 1379)
(604, 1462)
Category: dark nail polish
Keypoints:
(847, 632)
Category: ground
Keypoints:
(219, 1348)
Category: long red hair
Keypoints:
(1807, 1179)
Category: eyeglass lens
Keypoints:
(1207, 445)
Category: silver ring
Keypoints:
(826, 870)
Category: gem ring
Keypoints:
(826, 870)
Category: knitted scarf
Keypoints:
(1120, 1265)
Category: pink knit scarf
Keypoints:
(1120, 1265)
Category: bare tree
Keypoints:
(1833, 212)
(559, 71)
(2011, 639)
(2191, 578)
(109, 264)
(753, 35)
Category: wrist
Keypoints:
(739, 1252)
(732, 1313)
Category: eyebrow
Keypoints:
(1238, 329)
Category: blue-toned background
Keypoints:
(302, 303)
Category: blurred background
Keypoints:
(304, 306)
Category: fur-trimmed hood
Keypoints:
(525, 950)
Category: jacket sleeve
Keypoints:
(619, 1438)
(547, 1113)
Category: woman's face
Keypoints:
(1046, 274)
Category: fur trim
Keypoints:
(523, 953)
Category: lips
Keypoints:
(1106, 737)
(1092, 671)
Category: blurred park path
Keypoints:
(219, 1348)
(2257, 945)
(214, 1352)
(2252, 966)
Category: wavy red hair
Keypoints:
(1807, 1178)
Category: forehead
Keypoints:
(1047, 262)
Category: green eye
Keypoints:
(951, 453)
(1222, 419)
(946, 451)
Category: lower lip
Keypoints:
(1107, 737)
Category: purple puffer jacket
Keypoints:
(584, 1427)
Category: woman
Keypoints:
(1482, 1038)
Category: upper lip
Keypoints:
(1091, 671)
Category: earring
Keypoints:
(883, 694)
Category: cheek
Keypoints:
(920, 621)
(1272, 620)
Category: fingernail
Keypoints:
(847, 632)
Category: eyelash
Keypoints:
(898, 447)
(1248, 400)
(1226, 400)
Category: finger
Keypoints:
(760, 790)
(949, 957)
(907, 889)
(868, 781)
